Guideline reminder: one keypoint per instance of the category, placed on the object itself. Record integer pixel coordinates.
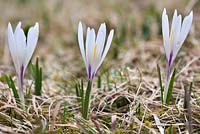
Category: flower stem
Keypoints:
(86, 103)
(20, 85)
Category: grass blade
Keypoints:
(12, 86)
(160, 81)
(37, 74)
(99, 82)
(171, 85)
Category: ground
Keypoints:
(126, 94)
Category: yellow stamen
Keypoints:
(95, 50)
(171, 36)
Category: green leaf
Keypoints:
(37, 75)
(78, 94)
(160, 81)
(171, 85)
(12, 86)
(99, 82)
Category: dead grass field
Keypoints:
(128, 100)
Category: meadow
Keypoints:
(126, 96)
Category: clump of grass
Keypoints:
(37, 75)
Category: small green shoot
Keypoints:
(99, 82)
(84, 97)
(79, 91)
(37, 74)
(12, 86)
(170, 87)
(160, 81)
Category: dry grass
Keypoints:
(129, 98)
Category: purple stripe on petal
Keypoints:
(89, 71)
(169, 65)
(170, 58)
(21, 76)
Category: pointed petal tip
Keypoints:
(103, 26)
(191, 13)
(112, 31)
(164, 10)
(92, 30)
(20, 23)
(88, 28)
(80, 23)
(175, 12)
(9, 25)
(36, 24)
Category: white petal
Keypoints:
(32, 39)
(175, 37)
(18, 27)
(11, 44)
(165, 32)
(101, 36)
(91, 51)
(91, 47)
(20, 42)
(80, 40)
(87, 44)
(187, 22)
(174, 20)
(109, 40)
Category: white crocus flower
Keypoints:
(94, 51)
(174, 40)
(21, 49)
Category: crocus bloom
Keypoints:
(93, 52)
(21, 49)
(174, 40)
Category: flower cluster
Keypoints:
(95, 48)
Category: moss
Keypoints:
(171, 130)
(148, 123)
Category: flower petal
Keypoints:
(176, 35)
(32, 39)
(80, 40)
(91, 46)
(20, 42)
(109, 40)
(184, 30)
(12, 47)
(91, 49)
(87, 44)
(187, 22)
(101, 36)
(174, 20)
(165, 32)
